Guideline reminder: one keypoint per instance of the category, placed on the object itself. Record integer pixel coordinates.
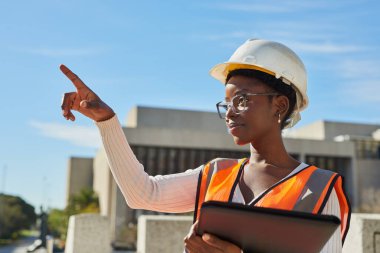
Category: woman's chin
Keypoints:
(240, 141)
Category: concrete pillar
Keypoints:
(88, 233)
(50, 244)
(162, 233)
(364, 234)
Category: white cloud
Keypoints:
(225, 36)
(324, 47)
(360, 80)
(317, 46)
(285, 6)
(272, 6)
(359, 69)
(262, 7)
(78, 135)
(361, 91)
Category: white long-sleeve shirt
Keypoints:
(173, 193)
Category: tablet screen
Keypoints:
(257, 229)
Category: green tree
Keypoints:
(15, 215)
(86, 201)
(58, 221)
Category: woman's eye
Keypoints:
(242, 100)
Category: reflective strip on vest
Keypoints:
(310, 196)
(213, 179)
(307, 190)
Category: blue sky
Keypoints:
(158, 53)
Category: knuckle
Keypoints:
(73, 76)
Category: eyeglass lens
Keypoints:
(238, 104)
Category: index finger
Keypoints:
(73, 77)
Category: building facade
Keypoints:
(169, 141)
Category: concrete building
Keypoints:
(79, 175)
(364, 185)
(169, 141)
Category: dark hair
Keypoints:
(272, 82)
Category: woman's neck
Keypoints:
(271, 151)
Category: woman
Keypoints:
(265, 90)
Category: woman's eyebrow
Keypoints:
(237, 92)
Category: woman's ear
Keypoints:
(281, 104)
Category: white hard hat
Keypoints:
(272, 58)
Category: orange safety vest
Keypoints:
(307, 190)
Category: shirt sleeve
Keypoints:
(334, 244)
(173, 193)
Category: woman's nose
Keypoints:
(230, 112)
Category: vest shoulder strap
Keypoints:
(213, 174)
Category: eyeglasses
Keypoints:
(238, 103)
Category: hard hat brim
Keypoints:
(221, 71)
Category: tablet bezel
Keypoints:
(322, 225)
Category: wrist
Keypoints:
(106, 117)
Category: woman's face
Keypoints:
(260, 118)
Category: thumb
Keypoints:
(89, 104)
(96, 110)
(217, 242)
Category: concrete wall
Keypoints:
(314, 131)
(88, 233)
(162, 233)
(364, 234)
(105, 186)
(333, 129)
(111, 201)
(148, 117)
(181, 138)
(376, 135)
(321, 148)
(79, 175)
(102, 182)
(124, 229)
(369, 184)
(327, 130)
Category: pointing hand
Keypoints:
(83, 100)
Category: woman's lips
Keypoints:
(233, 127)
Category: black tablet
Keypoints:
(259, 230)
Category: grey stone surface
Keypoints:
(162, 233)
(166, 118)
(363, 236)
(79, 175)
(327, 130)
(369, 185)
(88, 233)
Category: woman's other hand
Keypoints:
(83, 100)
(207, 243)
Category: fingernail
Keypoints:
(83, 103)
(207, 237)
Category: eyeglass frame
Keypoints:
(230, 105)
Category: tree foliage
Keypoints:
(86, 201)
(15, 215)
